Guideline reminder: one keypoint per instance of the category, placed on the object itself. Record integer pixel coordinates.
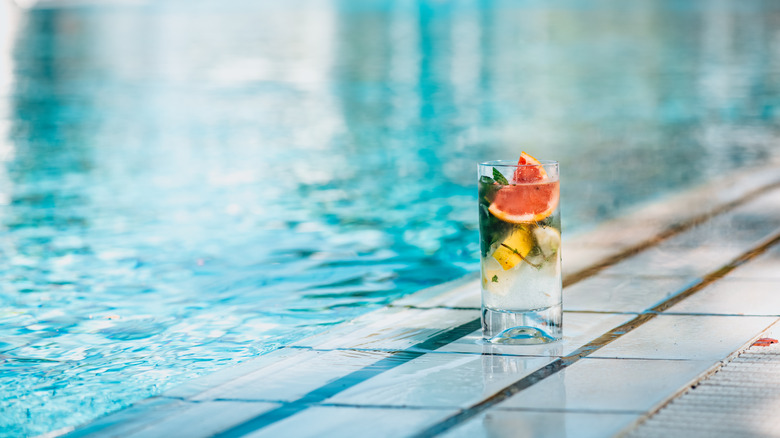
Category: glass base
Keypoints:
(522, 328)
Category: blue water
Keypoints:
(188, 184)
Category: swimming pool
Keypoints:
(185, 185)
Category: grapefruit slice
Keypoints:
(528, 169)
(532, 197)
(525, 203)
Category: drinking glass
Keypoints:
(520, 243)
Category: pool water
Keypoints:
(188, 184)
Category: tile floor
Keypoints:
(500, 423)
(738, 400)
(419, 368)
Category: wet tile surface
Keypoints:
(734, 297)
(441, 380)
(329, 421)
(231, 374)
(391, 329)
(202, 419)
(578, 330)
(666, 260)
(576, 257)
(294, 377)
(463, 295)
(524, 424)
(384, 373)
(609, 385)
(694, 337)
(131, 419)
(622, 293)
(619, 234)
(764, 267)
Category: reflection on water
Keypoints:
(184, 185)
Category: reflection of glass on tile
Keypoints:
(497, 366)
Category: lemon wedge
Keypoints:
(514, 248)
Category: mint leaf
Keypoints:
(499, 177)
(484, 179)
(495, 279)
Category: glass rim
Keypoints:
(512, 163)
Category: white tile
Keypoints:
(648, 220)
(293, 377)
(578, 330)
(201, 384)
(734, 297)
(441, 380)
(576, 258)
(130, 419)
(461, 294)
(327, 421)
(524, 424)
(391, 329)
(697, 337)
(618, 234)
(610, 385)
(202, 420)
(768, 203)
(735, 229)
(772, 332)
(622, 293)
(763, 267)
(669, 261)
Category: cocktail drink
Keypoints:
(520, 242)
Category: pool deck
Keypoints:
(656, 303)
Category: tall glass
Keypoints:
(520, 240)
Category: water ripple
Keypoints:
(164, 214)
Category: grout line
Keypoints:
(322, 393)
(719, 366)
(412, 306)
(665, 359)
(751, 315)
(669, 232)
(665, 234)
(400, 357)
(593, 346)
(396, 407)
(717, 275)
(414, 349)
(579, 411)
(345, 382)
(602, 312)
(477, 309)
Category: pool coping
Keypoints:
(589, 254)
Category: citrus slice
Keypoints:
(532, 198)
(529, 169)
(514, 248)
(525, 203)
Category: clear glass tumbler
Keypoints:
(520, 242)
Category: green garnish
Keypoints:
(484, 179)
(495, 279)
(493, 229)
(499, 178)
